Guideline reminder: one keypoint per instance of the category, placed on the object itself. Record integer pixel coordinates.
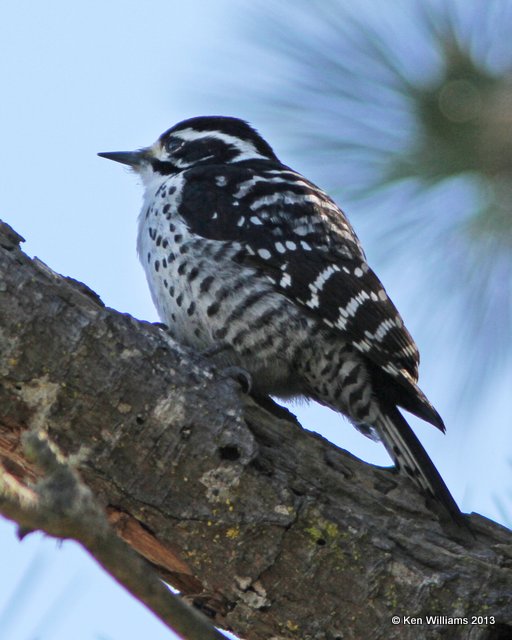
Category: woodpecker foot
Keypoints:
(240, 375)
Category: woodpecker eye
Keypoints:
(173, 144)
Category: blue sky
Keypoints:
(84, 77)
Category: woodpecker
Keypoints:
(241, 251)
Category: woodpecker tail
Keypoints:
(411, 459)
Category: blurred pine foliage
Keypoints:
(405, 111)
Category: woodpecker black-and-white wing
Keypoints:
(296, 236)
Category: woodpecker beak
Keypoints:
(131, 158)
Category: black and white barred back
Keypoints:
(242, 251)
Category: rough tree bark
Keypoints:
(269, 529)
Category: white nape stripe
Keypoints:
(246, 150)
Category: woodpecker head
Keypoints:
(196, 141)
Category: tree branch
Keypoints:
(62, 506)
(267, 528)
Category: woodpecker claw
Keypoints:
(161, 325)
(240, 375)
